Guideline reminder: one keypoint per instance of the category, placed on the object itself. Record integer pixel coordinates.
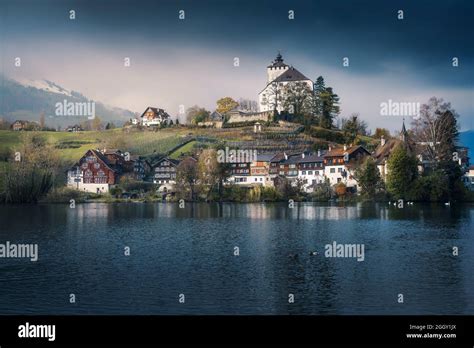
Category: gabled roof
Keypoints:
(265, 157)
(382, 152)
(157, 112)
(339, 152)
(174, 162)
(291, 75)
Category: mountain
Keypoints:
(27, 99)
(466, 138)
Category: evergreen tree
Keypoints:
(319, 88)
(369, 179)
(330, 108)
(402, 172)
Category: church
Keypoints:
(279, 74)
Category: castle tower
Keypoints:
(277, 68)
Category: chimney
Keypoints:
(382, 140)
(329, 149)
(345, 147)
(302, 155)
(286, 156)
(319, 153)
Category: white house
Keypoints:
(311, 170)
(279, 75)
(340, 164)
(154, 117)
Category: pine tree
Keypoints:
(319, 88)
(402, 172)
(368, 178)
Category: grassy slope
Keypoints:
(143, 143)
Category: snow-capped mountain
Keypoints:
(25, 99)
(45, 85)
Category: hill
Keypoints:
(467, 139)
(27, 99)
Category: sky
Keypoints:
(191, 61)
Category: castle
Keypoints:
(279, 75)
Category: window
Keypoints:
(282, 172)
(339, 170)
(292, 166)
(84, 165)
(96, 165)
(332, 170)
(303, 172)
(338, 179)
(310, 172)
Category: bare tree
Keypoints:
(431, 128)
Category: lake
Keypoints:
(238, 259)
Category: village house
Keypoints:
(385, 148)
(75, 128)
(99, 171)
(340, 164)
(311, 170)
(93, 173)
(468, 178)
(259, 170)
(164, 173)
(154, 117)
(19, 125)
(284, 164)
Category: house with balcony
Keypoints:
(340, 164)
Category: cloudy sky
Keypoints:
(185, 62)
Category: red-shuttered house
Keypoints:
(93, 173)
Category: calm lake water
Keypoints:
(190, 251)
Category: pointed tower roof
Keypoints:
(404, 133)
(278, 62)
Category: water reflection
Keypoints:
(191, 251)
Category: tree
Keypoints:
(436, 124)
(96, 123)
(368, 178)
(226, 104)
(381, 132)
(272, 98)
(196, 114)
(319, 88)
(402, 172)
(330, 108)
(352, 127)
(297, 100)
(208, 171)
(31, 177)
(186, 178)
(248, 105)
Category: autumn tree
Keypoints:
(196, 114)
(186, 178)
(226, 104)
